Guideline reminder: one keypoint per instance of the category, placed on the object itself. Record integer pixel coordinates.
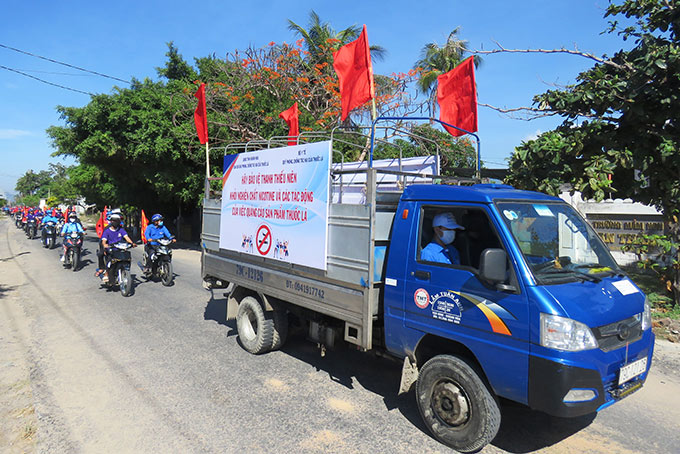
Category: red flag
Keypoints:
(100, 225)
(457, 98)
(201, 115)
(352, 63)
(291, 117)
(145, 224)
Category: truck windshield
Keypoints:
(557, 243)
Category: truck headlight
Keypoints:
(646, 316)
(561, 333)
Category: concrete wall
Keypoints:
(618, 221)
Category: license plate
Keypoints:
(632, 370)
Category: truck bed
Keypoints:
(349, 290)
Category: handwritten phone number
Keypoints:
(306, 289)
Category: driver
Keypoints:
(113, 234)
(441, 249)
(155, 231)
(70, 227)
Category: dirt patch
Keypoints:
(18, 430)
(324, 441)
(667, 328)
(276, 384)
(341, 405)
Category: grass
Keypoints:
(660, 298)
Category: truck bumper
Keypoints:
(550, 381)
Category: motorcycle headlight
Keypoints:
(561, 333)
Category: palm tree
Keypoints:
(436, 60)
(317, 35)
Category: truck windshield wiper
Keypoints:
(584, 276)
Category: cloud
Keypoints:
(532, 136)
(13, 133)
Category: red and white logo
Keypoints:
(421, 298)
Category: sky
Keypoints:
(127, 39)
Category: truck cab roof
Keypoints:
(480, 193)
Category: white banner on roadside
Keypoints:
(275, 203)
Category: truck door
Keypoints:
(451, 301)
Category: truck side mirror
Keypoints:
(494, 269)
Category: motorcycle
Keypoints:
(118, 267)
(160, 262)
(17, 219)
(49, 235)
(31, 228)
(74, 244)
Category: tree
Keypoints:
(32, 183)
(622, 118)
(319, 38)
(129, 150)
(436, 60)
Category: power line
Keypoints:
(46, 82)
(64, 64)
(54, 72)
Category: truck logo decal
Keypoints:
(497, 325)
(421, 298)
(446, 306)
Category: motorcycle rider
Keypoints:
(49, 217)
(113, 234)
(155, 231)
(71, 226)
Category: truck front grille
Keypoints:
(618, 334)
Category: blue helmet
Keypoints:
(156, 217)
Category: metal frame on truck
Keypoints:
(349, 290)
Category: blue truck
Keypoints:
(525, 303)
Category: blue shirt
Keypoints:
(71, 227)
(434, 252)
(50, 218)
(154, 233)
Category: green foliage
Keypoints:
(175, 67)
(631, 106)
(129, 149)
(32, 183)
(631, 102)
(54, 182)
(319, 37)
(436, 60)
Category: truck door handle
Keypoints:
(423, 275)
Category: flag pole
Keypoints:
(207, 161)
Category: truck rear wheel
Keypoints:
(255, 326)
(456, 405)
(280, 316)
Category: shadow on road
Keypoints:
(522, 429)
(14, 256)
(216, 310)
(4, 289)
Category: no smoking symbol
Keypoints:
(263, 240)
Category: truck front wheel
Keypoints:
(255, 326)
(456, 405)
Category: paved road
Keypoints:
(83, 369)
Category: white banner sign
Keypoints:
(275, 203)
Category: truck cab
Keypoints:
(536, 303)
